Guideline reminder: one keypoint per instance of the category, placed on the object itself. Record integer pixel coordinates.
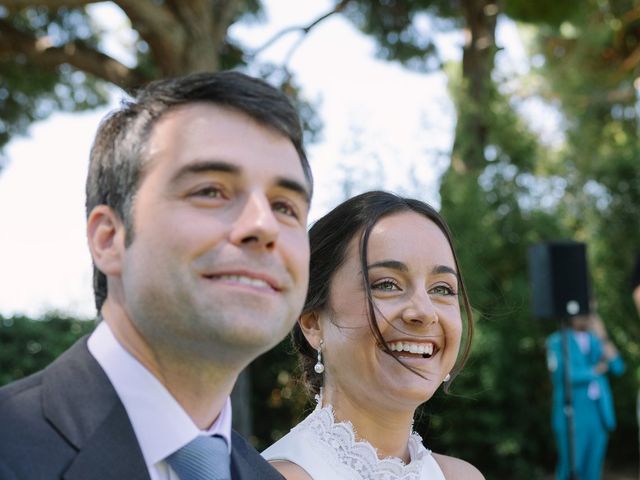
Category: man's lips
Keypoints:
(252, 279)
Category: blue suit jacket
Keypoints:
(581, 374)
(67, 422)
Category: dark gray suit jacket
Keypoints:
(67, 422)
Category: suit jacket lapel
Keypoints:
(80, 402)
(111, 453)
(240, 469)
(247, 464)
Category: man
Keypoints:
(591, 356)
(197, 200)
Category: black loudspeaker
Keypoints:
(559, 279)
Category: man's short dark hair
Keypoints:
(119, 149)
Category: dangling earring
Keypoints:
(319, 366)
(447, 378)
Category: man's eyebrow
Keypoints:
(294, 186)
(205, 166)
(220, 166)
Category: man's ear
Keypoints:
(106, 237)
(311, 328)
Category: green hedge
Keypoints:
(28, 345)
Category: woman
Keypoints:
(380, 331)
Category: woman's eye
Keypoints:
(443, 290)
(385, 286)
(285, 208)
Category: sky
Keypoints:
(384, 127)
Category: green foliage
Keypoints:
(543, 12)
(30, 345)
(592, 76)
(279, 398)
(405, 30)
(506, 375)
(521, 195)
(29, 93)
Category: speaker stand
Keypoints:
(568, 400)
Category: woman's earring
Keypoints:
(319, 366)
(447, 377)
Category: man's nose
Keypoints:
(256, 224)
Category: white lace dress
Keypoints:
(328, 450)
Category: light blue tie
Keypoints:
(205, 458)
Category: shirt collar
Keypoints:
(159, 422)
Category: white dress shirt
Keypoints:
(161, 425)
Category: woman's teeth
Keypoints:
(424, 349)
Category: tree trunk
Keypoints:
(474, 101)
(184, 36)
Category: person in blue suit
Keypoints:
(591, 357)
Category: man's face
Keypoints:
(218, 265)
(581, 323)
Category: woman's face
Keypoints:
(414, 286)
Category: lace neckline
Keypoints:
(360, 456)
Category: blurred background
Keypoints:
(518, 120)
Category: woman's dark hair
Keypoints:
(329, 238)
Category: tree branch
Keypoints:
(14, 42)
(631, 15)
(340, 6)
(225, 14)
(632, 60)
(152, 14)
(53, 4)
